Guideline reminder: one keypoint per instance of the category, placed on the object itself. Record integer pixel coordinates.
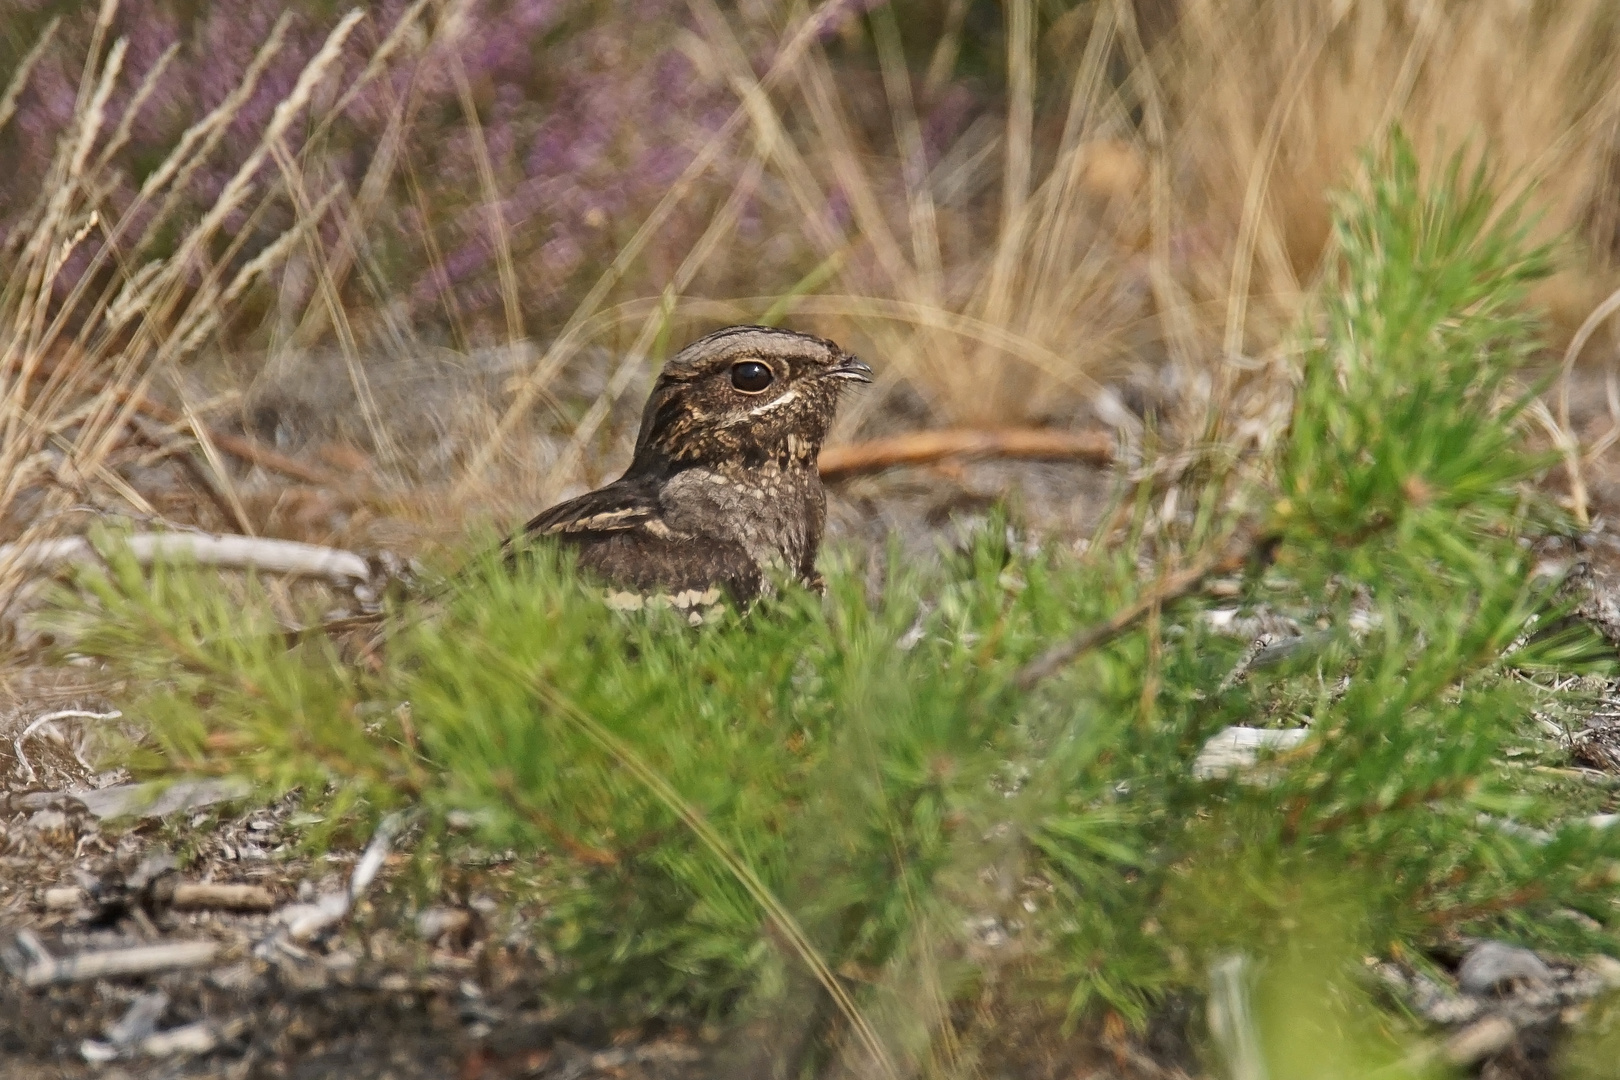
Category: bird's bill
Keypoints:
(851, 369)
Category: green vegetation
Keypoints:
(849, 812)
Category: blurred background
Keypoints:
(432, 254)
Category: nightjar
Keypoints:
(723, 493)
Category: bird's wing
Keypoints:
(621, 506)
(621, 537)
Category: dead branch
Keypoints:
(148, 800)
(209, 896)
(229, 552)
(46, 970)
(235, 445)
(925, 447)
(246, 449)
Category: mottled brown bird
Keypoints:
(723, 492)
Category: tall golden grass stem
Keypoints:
(25, 68)
(719, 227)
(498, 234)
(920, 210)
(563, 346)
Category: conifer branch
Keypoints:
(1173, 586)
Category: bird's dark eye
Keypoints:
(751, 376)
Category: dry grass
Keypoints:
(78, 355)
(1146, 201)
(1275, 101)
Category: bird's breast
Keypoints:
(772, 512)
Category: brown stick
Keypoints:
(1169, 589)
(246, 449)
(924, 447)
(204, 896)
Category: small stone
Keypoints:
(1493, 966)
(65, 898)
(436, 922)
(97, 1052)
(1480, 1040)
(1236, 750)
(48, 821)
(1606, 968)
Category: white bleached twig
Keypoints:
(44, 970)
(148, 800)
(226, 551)
(302, 922)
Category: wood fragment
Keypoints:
(139, 1020)
(25, 951)
(1480, 1040)
(302, 922)
(209, 896)
(136, 960)
(207, 549)
(191, 1040)
(925, 447)
(142, 800)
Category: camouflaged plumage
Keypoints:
(723, 490)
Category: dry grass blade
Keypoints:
(132, 111)
(1572, 354)
(199, 140)
(787, 58)
(837, 146)
(1563, 437)
(25, 68)
(771, 138)
(292, 177)
(219, 475)
(720, 226)
(492, 202)
(1254, 221)
(1017, 161)
(913, 157)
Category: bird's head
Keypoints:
(745, 395)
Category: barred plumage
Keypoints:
(723, 489)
